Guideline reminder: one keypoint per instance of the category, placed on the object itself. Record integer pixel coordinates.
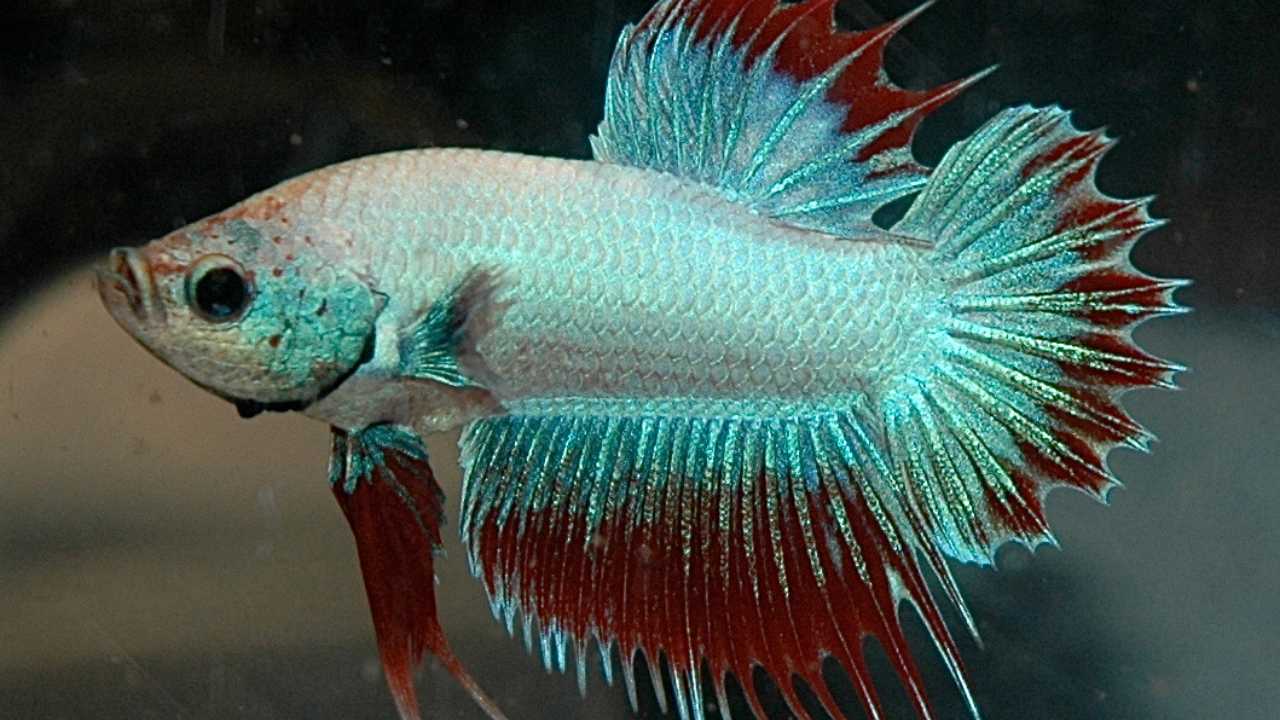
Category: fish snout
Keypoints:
(126, 285)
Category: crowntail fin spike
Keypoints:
(771, 105)
(1020, 391)
(762, 542)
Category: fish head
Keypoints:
(245, 308)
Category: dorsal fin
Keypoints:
(770, 104)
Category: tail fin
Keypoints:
(1021, 392)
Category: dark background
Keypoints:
(120, 121)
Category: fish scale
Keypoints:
(573, 243)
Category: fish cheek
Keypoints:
(217, 359)
(308, 337)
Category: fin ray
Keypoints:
(770, 104)
(729, 542)
(383, 482)
(1021, 390)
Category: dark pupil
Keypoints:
(220, 293)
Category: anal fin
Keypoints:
(384, 484)
(724, 543)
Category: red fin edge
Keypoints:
(395, 516)
(677, 581)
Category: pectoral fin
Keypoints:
(383, 481)
(439, 347)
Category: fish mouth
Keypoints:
(127, 287)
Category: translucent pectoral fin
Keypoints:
(440, 346)
(384, 484)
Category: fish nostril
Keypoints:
(121, 266)
(128, 270)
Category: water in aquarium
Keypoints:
(749, 357)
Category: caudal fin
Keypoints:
(1021, 392)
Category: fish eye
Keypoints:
(217, 289)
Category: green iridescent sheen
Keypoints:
(357, 456)
(430, 349)
(310, 330)
(244, 236)
(597, 467)
(698, 108)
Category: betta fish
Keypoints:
(714, 412)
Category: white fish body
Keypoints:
(753, 316)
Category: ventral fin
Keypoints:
(724, 543)
(438, 347)
(770, 104)
(384, 484)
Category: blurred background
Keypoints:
(160, 558)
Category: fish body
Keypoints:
(756, 317)
(711, 410)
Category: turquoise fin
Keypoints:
(1020, 389)
(769, 104)
(434, 347)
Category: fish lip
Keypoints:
(127, 287)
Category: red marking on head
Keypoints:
(274, 341)
(270, 206)
(277, 272)
(164, 265)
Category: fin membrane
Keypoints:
(434, 348)
(386, 489)
(771, 105)
(739, 542)
(734, 543)
(1019, 391)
